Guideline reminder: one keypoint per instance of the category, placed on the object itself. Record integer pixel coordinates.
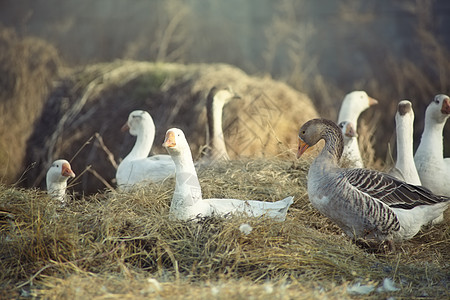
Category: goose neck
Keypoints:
(143, 145)
(57, 189)
(404, 143)
(334, 143)
(214, 115)
(184, 163)
(432, 137)
(187, 187)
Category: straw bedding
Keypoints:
(124, 245)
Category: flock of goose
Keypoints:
(365, 203)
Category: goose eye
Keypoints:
(304, 131)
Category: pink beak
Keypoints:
(67, 171)
(446, 106)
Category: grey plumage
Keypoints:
(364, 203)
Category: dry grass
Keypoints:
(124, 245)
(28, 67)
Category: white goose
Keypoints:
(405, 168)
(364, 203)
(137, 167)
(217, 98)
(352, 106)
(353, 156)
(56, 179)
(187, 201)
(433, 168)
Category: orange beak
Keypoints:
(302, 147)
(169, 141)
(446, 106)
(125, 127)
(372, 101)
(67, 171)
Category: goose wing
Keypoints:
(391, 191)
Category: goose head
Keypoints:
(354, 104)
(139, 121)
(175, 142)
(59, 172)
(348, 129)
(404, 112)
(317, 129)
(221, 95)
(439, 109)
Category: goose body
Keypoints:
(352, 106)
(57, 175)
(137, 167)
(216, 149)
(433, 168)
(364, 203)
(405, 167)
(187, 201)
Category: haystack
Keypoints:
(28, 66)
(98, 99)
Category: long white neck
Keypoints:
(349, 141)
(351, 152)
(57, 190)
(431, 143)
(352, 145)
(216, 138)
(143, 145)
(184, 163)
(405, 154)
(187, 187)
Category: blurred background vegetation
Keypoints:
(393, 50)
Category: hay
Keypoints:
(109, 245)
(98, 99)
(139, 287)
(28, 67)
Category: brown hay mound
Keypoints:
(99, 98)
(28, 67)
(109, 245)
